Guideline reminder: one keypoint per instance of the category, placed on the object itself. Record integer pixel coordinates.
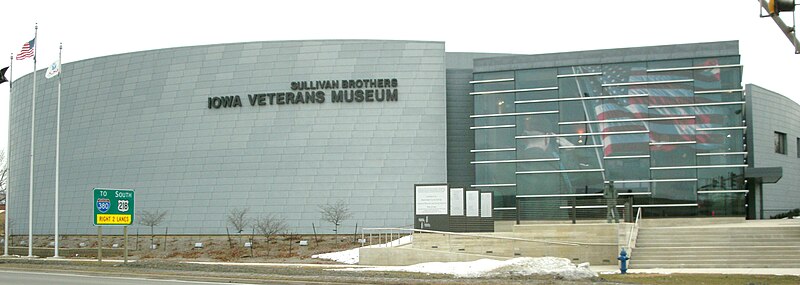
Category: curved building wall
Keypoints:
(768, 113)
(142, 121)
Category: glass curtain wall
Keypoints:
(669, 135)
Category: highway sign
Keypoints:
(113, 207)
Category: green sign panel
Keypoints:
(113, 207)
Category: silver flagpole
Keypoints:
(8, 154)
(33, 126)
(58, 140)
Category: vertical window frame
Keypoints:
(780, 143)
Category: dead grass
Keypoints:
(218, 247)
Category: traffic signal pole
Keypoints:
(790, 32)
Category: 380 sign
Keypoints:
(113, 207)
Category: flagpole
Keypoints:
(58, 140)
(33, 127)
(8, 155)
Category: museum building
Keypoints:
(283, 128)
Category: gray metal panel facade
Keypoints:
(141, 120)
(769, 112)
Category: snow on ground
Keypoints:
(351, 256)
(520, 266)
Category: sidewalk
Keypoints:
(608, 269)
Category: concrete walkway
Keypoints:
(607, 269)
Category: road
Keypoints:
(45, 278)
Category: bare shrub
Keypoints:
(335, 214)
(269, 226)
(152, 219)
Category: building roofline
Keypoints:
(749, 86)
(617, 55)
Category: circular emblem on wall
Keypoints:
(103, 204)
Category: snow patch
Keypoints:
(351, 256)
(520, 266)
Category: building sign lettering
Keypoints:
(314, 92)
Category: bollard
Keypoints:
(623, 261)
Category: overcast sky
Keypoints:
(97, 28)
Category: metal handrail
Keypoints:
(634, 229)
(490, 237)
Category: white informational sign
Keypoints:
(456, 201)
(486, 205)
(431, 200)
(472, 203)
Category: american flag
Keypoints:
(675, 93)
(27, 50)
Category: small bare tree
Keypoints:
(238, 219)
(335, 214)
(269, 226)
(152, 219)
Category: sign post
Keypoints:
(112, 207)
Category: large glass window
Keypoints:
(711, 61)
(494, 138)
(673, 155)
(567, 70)
(718, 116)
(731, 159)
(539, 184)
(663, 64)
(537, 107)
(495, 155)
(626, 144)
(674, 193)
(720, 178)
(537, 125)
(495, 173)
(493, 86)
(624, 72)
(494, 104)
(536, 78)
(780, 143)
(582, 182)
(666, 151)
(580, 86)
(537, 95)
(633, 187)
(504, 197)
(682, 173)
(720, 141)
(732, 96)
(721, 204)
(627, 169)
(494, 121)
(572, 111)
(717, 78)
(674, 93)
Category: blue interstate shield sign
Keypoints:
(103, 204)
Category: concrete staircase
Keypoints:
(730, 246)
